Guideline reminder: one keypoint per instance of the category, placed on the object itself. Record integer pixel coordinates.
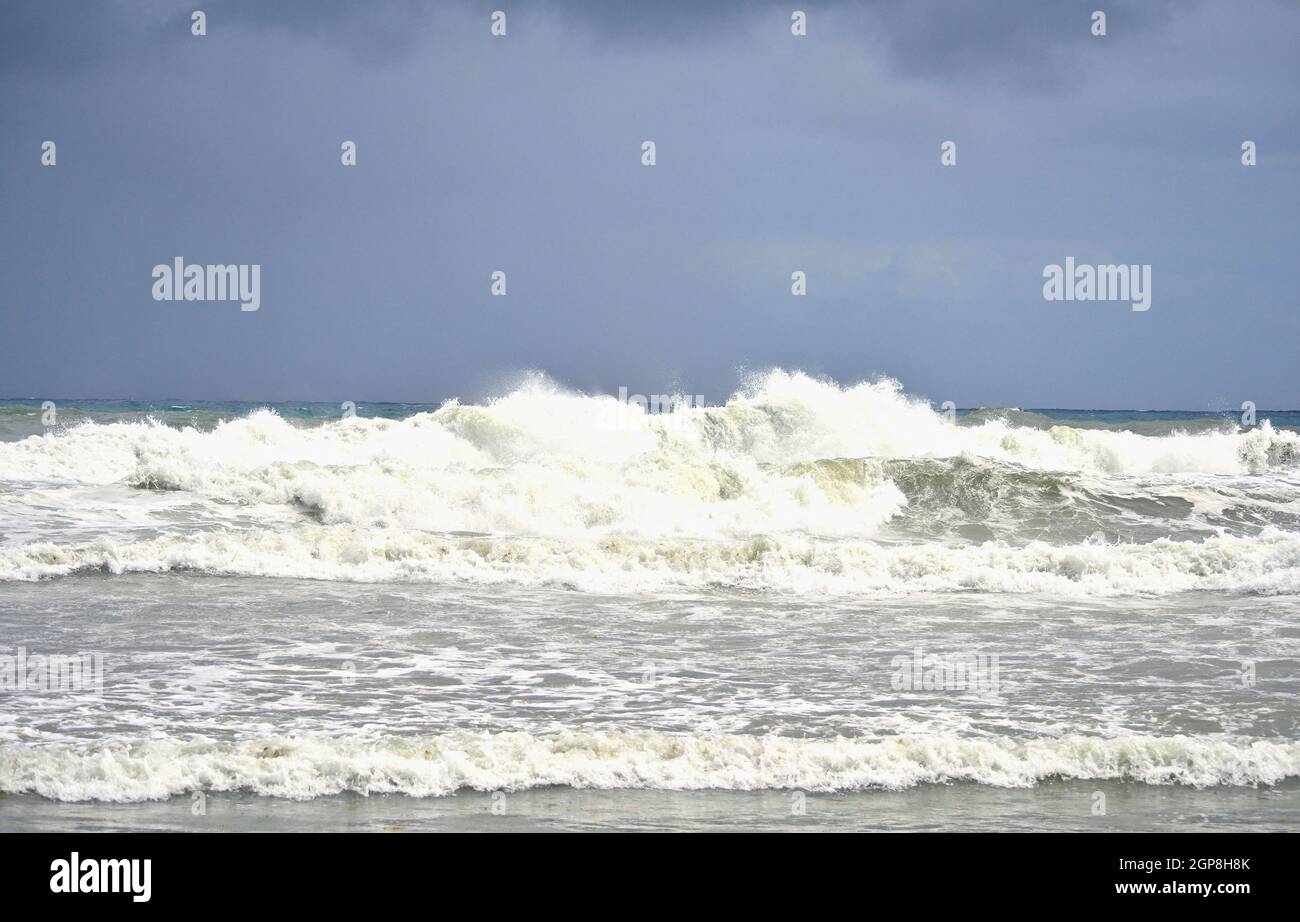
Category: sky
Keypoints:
(775, 153)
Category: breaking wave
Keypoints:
(793, 484)
(1266, 564)
(434, 766)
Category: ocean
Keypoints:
(812, 607)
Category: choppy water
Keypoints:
(813, 591)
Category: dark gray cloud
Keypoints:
(938, 39)
(1025, 45)
(775, 153)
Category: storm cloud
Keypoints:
(776, 153)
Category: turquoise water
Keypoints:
(21, 417)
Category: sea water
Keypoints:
(814, 606)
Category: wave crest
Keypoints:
(306, 768)
(1268, 563)
(787, 463)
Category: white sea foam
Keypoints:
(1268, 563)
(305, 768)
(580, 490)
(781, 418)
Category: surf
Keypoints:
(794, 484)
(304, 768)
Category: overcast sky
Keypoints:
(775, 153)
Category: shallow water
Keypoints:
(1056, 806)
(306, 690)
